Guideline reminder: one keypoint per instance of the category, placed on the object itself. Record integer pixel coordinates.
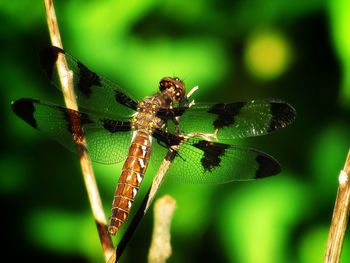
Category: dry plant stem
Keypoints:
(340, 216)
(160, 249)
(158, 179)
(66, 79)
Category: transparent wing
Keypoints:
(202, 162)
(94, 92)
(233, 120)
(107, 139)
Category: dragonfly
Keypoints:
(117, 128)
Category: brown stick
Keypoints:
(66, 79)
(160, 175)
(160, 249)
(340, 216)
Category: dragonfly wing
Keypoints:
(202, 162)
(95, 93)
(107, 139)
(234, 120)
(206, 162)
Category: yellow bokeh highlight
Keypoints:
(267, 55)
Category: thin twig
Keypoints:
(66, 79)
(340, 216)
(160, 249)
(160, 175)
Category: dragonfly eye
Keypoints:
(175, 83)
(165, 84)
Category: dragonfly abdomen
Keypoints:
(130, 180)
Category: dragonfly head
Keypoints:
(173, 87)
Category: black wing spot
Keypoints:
(168, 138)
(213, 152)
(125, 100)
(48, 57)
(226, 113)
(116, 126)
(87, 79)
(24, 108)
(282, 115)
(267, 166)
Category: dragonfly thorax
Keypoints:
(145, 118)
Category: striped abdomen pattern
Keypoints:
(131, 177)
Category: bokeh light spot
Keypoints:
(267, 55)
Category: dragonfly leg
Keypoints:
(206, 136)
(176, 121)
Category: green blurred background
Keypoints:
(298, 51)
